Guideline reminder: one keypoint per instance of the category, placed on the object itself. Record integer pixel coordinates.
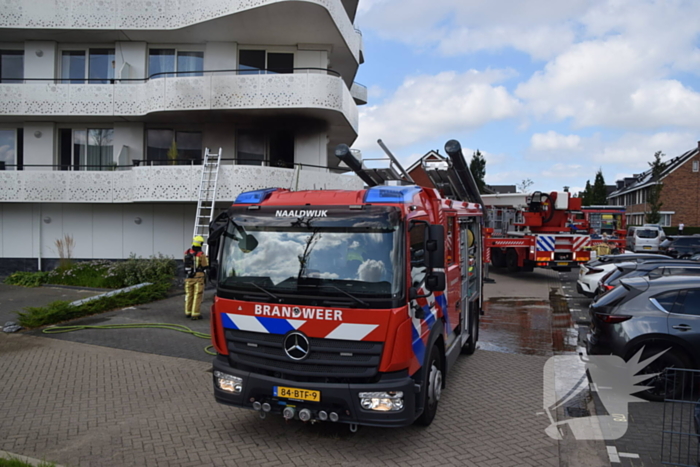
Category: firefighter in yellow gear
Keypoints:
(196, 262)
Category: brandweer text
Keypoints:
(297, 312)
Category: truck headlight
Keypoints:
(391, 401)
(228, 383)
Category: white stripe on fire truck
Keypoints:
(351, 332)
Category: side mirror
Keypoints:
(435, 246)
(435, 282)
(248, 243)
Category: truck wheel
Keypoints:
(469, 347)
(512, 260)
(432, 389)
(498, 259)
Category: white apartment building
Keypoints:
(106, 107)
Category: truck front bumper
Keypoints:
(340, 398)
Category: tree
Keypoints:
(599, 193)
(524, 185)
(654, 196)
(587, 194)
(477, 166)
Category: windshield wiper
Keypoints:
(347, 294)
(263, 289)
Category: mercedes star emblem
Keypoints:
(296, 346)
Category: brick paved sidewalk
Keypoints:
(79, 405)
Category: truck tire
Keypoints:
(512, 260)
(432, 389)
(469, 347)
(498, 259)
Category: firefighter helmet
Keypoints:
(198, 240)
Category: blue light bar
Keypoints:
(254, 197)
(391, 194)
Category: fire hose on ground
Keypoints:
(169, 326)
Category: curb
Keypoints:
(75, 287)
(28, 460)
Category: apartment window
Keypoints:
(11, 148)
(666, 220)
(165, 62)
(95, 64)
(93, 148)
(696, 166)
(173, 147)
(259, 148)
(11, 66)
(254, 61)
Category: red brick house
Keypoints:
(680, 194)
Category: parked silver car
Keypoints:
(656, 315)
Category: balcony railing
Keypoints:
(152, 15)
(176, 91)
(158, 183)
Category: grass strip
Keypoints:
(14, 462)
(60, 311)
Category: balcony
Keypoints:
(306, 88)
(165, 15)
(160, 183)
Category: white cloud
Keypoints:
(559, 171)
(553, 141)
(609, 62)
(636, 150)
(430, 106)
(540, 28)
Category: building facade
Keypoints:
(106, 107)
(680, 194)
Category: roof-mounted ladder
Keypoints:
(207, 195)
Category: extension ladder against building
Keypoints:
(207, 195)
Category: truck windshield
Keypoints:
(338, 253)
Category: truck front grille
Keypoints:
(328, 358)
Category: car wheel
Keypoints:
(432, 387)
(666, 384)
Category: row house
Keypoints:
(680, 194)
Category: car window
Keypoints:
(691, 304)
(684, 241)
(647, 233)
(678, 271)
(666, 300)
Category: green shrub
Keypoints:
(27, 279)
(137, 270)
(14, 462)
(115, 274)
(59, 311)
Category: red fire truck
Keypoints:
(606, 224)
(534, 230)
(346, 306)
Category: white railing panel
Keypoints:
(149, 15)
(214, 91)
(159, 183)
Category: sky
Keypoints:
(547, 90)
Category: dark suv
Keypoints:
(655, 315)
(653, 269)
(684, 247)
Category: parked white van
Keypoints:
(645, 238)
